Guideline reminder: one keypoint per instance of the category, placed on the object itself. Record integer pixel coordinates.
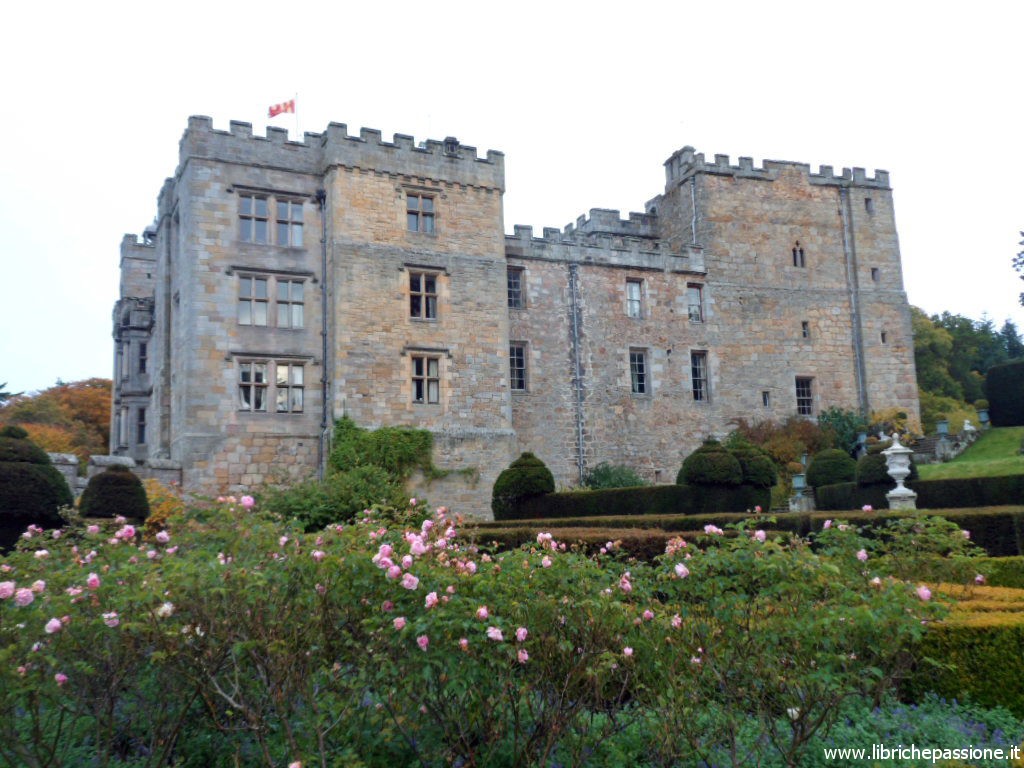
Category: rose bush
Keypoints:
(232, 637)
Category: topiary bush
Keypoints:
(872, 469)
(758, 468)
(32, 490)
(605, 476)
(524, 478)
(113, 492)
(829, 467)
(1003, 387)
(711, 464)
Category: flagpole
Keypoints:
(298, 134)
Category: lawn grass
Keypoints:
(994, 454)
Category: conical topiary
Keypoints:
(525, 477)
(115, 491)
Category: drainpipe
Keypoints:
(853, 288)
(693, 207)
(321, 448)
(577, 378)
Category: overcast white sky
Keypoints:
(586, 100)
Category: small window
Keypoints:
(805, 329)
(252, 387)
(419, 213)
(885, 337)
(140, 427)
(517, 366)
(253, 219)
(426, 379)
(289, 388)
(252, 300)
(695, 302)
(516, 296)
(290, 304)
(766, 398)
(143, 354)
(423, 295)
(869, 205)
(798, 255)
(289, 223)
(804, 396)
(876, 274)
(699, 376)
(634, 298)
(638, 372)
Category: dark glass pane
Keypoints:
(259, 231)
(431, 306)
(417, 366)
(428, 223)
(246, 374)
(282, 233)
(245, 312)
(260, 399)
(414, 282)
(261, 288)
(413, 220)
(415, 302)
(417, 394)
(259, 313)
(412, 203)
(428, 205)
(260, 373)
(296, 211)
(245, 204)
(431, 284)
(282, 211)
(261, 207)
(296, 235)
(243, 398)
(245, 230)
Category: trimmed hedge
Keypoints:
(931, 494)
(115, 491)
(711, 464)
(1004, 571)
(796, 522)
(645, 500)
(1000, 532)
(979, 659)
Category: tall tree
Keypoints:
(933, 347)
(1012, 342)
(1018, 264)
(5, 395)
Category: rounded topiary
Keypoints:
(32, 490)
(830, 467)
(711, 464)
(115, 491)
(525, 477)
(13, 430)
(758, 468)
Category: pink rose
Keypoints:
(423, 641)
(760, 535)
(482, 612)
(827, 524)
(677, 621)
(979, 579)
(60, 678)
(394, 572)
(924, 593)
(38, 586)
(6, 589)
(111, 619)
(624, 583)
(92, 529)
(53, 625)
(318, 555)
(523, 656)
(862, 555)
(648, 614)
(92, 581)
(867, 508)
(521, 634)
(23, 597)
(495, 634)
(399, 622)
(248, 502)
(163, 537)
(627, 651)
(409, 581)
(682, 571)
(431, 600)
(464, 643)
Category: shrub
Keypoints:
(758, 468)
(32, 490)
(935, 407)
(711, 464)
(844, 425)
(829, 467)
(606, 475)
(1003, 386)
(339, 498)
(524, 478)
(164, 502)
(873, 469)
(116, 491)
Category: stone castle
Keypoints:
(284, 284)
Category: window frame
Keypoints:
(270, 306)
(253, 392)
(143, 356)
(634, 304)
(292, 385)
(799, 260)
(421, 215)
(700, 379)
(290, 304)
(249, 217)
(140, 426)
(250, 300)
(420, 367)
(639, 373)
(518, 352)
(699, 289)
(293, 227)
(423, 304)
(258, 395)
(516, 295)
(805, 395)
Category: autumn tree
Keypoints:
(66, 418)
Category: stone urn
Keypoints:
(897, 459)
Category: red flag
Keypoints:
(285, 106)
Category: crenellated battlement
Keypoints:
(447, 160)
(607, 249)
(687, 162)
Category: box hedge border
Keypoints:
(948, 493)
